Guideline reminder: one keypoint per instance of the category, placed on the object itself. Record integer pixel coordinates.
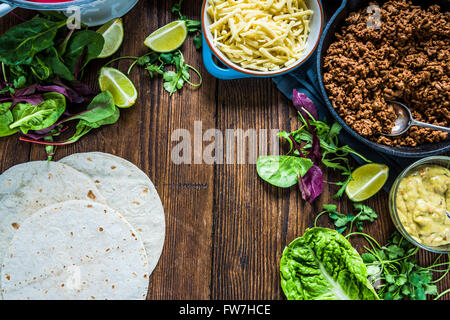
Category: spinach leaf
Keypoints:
(51, 57)
(83, 47)
(282, 171)
(84, 127)
(101, 107)
(101, 111)
(323, 265)
(62, 47)
(102, 122)
(30, 117)
(27, 39)
(6, 118)
(40, 69)
(20, 76)
(5, 106)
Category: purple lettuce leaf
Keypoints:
(83, 89)
(53, 88)
(28, 94)
(47, 132)
(34, 99)
(26, 91)
(302, 102)
(76, 92)
(311, 185)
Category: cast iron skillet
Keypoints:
(328, 37)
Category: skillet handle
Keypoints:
(5, 9)
(215, 70)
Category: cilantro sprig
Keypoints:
(171, 66)
(193, 26)
(363, 213)
(395, 273)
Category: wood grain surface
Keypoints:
(226, 228)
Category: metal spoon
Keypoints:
(405, 121)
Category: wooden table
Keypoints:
(226, 228)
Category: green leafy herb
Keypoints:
(84, 45)
(101, 111)
(333, 155)
(40, 64)
(52, 59)
(394, 271)
(157, 63)
(175, 80)
(282, 171)
(22, 42)
(40, 69)
(30, 117)
(100, 108)
(6, 118)
(342, 221)
(85, 126)
(198, 41)
(323, 265)
(193, 26)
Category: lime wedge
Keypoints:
(122, 89)
(367, 181)
(112, 32)
(167, 38)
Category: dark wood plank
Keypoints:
(250, 222)
(225, 228)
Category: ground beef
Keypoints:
(406, 60)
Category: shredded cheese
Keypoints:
(262, 35)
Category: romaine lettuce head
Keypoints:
(323, 265)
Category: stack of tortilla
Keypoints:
(90, 226)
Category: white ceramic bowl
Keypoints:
(235, 70)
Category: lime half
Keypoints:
(167, 38)
(367, 181)
(112, 32)
(122, 89)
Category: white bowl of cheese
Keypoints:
(259, 39)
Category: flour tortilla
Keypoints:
(75, 250)
(128, 190)
(28, 187)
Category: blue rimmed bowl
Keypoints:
(231, 70)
